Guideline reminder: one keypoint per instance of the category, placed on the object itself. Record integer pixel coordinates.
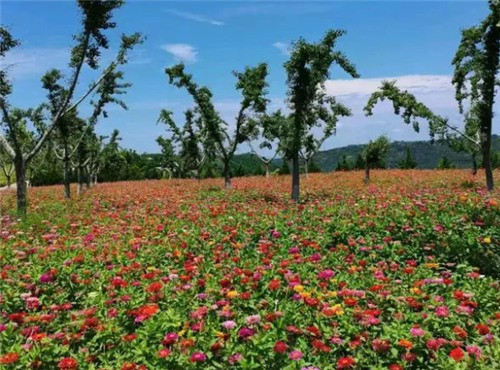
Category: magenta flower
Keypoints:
(245, 333)
(198, 357)
(326, 275)
(237, 357)
(474, 351)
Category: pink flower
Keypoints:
(417, 332)
(198, 357)
(254, 319)
(237, 357)
(442, 311)
(295, 355)
(32, 303)
(229, 324)
(474, 351)
(170, 338)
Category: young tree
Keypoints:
(253, 86)
(476, 65)
(96, 18)
(359, 162)
(307, 70)
(374, 155)
(343, 164)
(444, 164)
(271, 127)
(194, 148)
(408, 162)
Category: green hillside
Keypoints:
(425, 153)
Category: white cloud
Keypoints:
(33, 62)
(283, 47)
(418, 84)
(182, 52)
(195, 17)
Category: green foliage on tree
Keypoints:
(343, 164)
(476, 64)
(408, 162)
(89, 42)
(307, 70)
(374, 155)
(444, 164)
(253, 87)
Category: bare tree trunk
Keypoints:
(9, 182)
(367, 174)
(95, 179)
(22, 188)
(66, 177)
(227, 176)
(474, 165)
(267, 170)
(306, 168)
(487, 166)
(295, 177)
(79, 186)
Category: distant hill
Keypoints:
(425, 153)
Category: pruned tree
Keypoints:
(374, 155)
(307, 70)
(271, 129)
(96, 18)
(476, 64)
(193, 146)
(253, 87)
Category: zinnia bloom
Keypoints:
(229, 324)
(9, 358)
(345, 362)
(280, 347)
(295, 355)
(457, 354)
(68, 363)
(198, 357)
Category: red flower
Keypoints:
(68, 363)
(162, 353)
(280, 347)
(482, 329)
(395, 367)
(274, 284)
(345, 362)
(457, 354)
(9, 358)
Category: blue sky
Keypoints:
(413, 42)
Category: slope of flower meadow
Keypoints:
(180, 274)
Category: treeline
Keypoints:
(54, 137)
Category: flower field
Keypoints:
(180, 274)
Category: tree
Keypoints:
(169, 160)
(374, 154)
(194, 148)
(476, 64)
(408, 162)
(444, 164)
(307, 70)
(343, 164)
(272, 127)
(253, 86)
(96, 18)
(359, 162)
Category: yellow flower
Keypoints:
(332, 294)
(415, 291)
(305, 294)
(232, 294)
(432, 265)
(298, 288)
(487, 240)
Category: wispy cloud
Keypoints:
(33, 62)
(182, 52)
(283, 47)
(420, 84)
(195, 17)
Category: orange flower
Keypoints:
(406, 344)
